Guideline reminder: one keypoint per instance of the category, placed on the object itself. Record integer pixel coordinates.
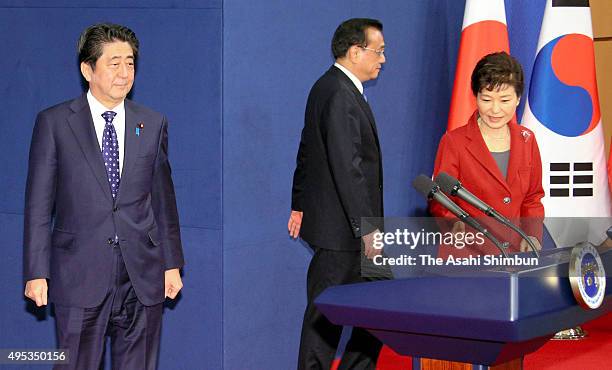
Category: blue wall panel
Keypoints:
(192, 328)
(273, 53)
(133, 4)
(21, 325)
(233, 83)
(179, 74)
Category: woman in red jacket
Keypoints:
(494, 157)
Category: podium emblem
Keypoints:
(587, 276)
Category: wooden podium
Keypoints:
(431, 364)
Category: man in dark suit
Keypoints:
(101, 224)
(337, 181)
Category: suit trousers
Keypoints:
(134, 328)
(320, 338)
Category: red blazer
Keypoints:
(462, 153)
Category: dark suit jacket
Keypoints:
(338, 178)
(464, 154)
(71, 218)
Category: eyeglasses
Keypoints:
(380, 53)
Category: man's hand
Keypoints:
(368, 242)
(36, 290)
(295, 223)
(172, 282)
(525, 246)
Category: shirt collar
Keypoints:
(350, 75)
(98, 108)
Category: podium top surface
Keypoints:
(513, 304)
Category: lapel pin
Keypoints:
(139, 127)
(526, 135)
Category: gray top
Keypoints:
(502, 159)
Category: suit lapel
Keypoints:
(366, 108)
(516, 140)
(481, 154)
(82, 126)
(131, 142)
(360, 99)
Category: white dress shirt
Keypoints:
(350, 75)
(96, 108)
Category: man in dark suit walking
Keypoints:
(337, 181)
(101, 224)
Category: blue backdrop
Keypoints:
(179, 73)
(233, 77)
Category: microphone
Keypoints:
(431, 190)
(452, 186)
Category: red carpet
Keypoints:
(592, 353)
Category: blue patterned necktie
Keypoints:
(110, 151)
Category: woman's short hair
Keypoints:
(495, 70)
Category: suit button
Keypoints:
(111, 241)
(507, 200)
